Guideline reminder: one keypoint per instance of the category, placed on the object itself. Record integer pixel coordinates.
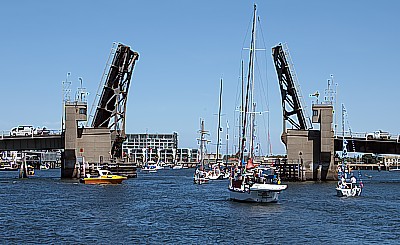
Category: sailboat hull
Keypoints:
(200, 180)
(353, 192)
(260, 193)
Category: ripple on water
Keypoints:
(166, 208)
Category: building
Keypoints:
(140, 148)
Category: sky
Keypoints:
(186, 47)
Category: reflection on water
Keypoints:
(166, 207)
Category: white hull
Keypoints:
(214, 177)
(149, 169)
(200, 180)
(262, 193)
(354, 192)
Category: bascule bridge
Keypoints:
(99, 143)
(311, 148)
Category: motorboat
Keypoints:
(104, 177)
(31, 170)
(152, 168)
(9, 166)
(200, 177)
(177, 166)
(44, 166)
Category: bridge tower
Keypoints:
(311, 148)
(101, 143)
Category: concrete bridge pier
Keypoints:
(82, 145)
(314, 147)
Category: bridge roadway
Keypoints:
(362, 145)
(53, 141)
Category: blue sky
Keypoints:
(186, 47)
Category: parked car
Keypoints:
(22, 130)
(41, 131)
(378, 135)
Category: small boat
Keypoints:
(348, 185)
(200, 175)
(44, 166)
(31, 171)
(394, 168)
(105, 177)
(177, 166)
(9, 167)
(149, 168)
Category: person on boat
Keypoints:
(353, 181)
(343, 184)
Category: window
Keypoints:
(315, 113)
(82, 111)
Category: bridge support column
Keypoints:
(314, 147)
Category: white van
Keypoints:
(22, 131)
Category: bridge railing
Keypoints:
(347, 134)
(50, 132)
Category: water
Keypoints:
(166, 208)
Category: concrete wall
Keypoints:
(323, 114)
(304, 146)
(93, 144)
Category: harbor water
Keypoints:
(167, 208)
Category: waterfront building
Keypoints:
(139, 148)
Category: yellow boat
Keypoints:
(105, 177)
(31, 171)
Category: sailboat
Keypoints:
(348, 185)
(250, 183)
(215, 173)
(149, 165)
(200, 175)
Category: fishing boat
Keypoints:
(200, 175)
(104, 177)
(248, 182)
(348, 185)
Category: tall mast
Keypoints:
(219, 121)
(227, 143)
(241, 109)
(202, 142)
(344, 150)
(253, 105)
(249, 76)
